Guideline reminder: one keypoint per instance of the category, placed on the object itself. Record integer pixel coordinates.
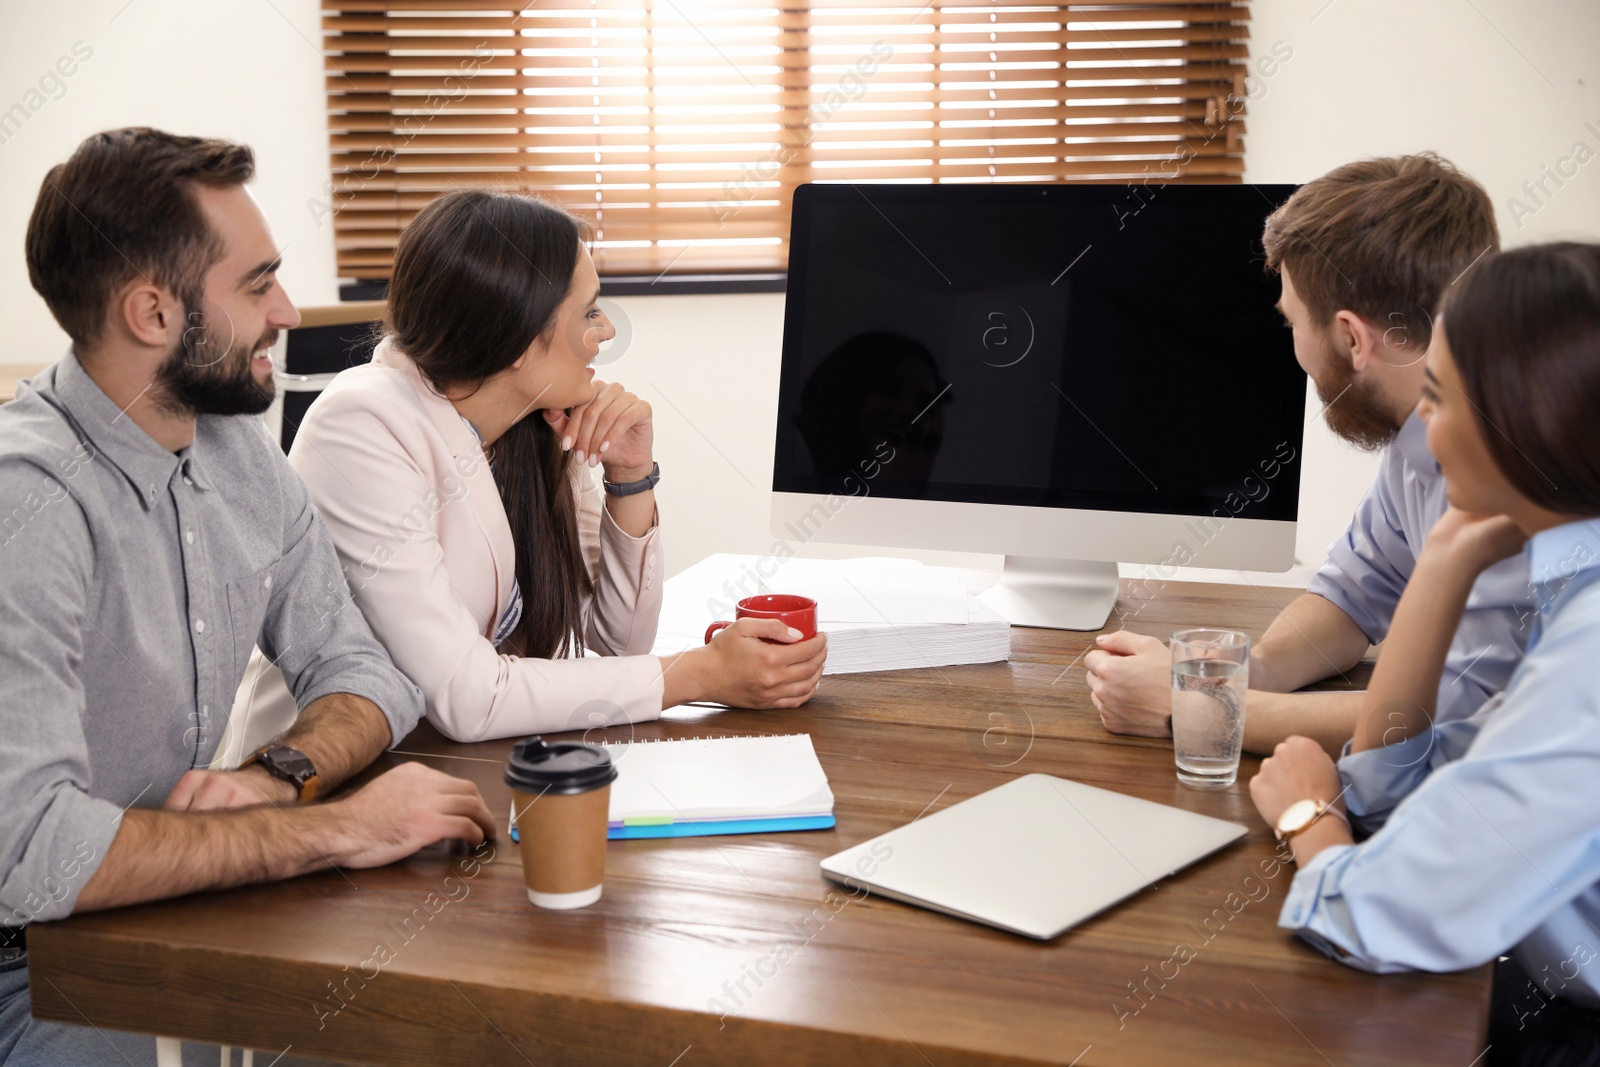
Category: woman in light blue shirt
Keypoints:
(1485, 832)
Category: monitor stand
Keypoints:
(1061, 594)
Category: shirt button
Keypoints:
(188, 536)
(268, 582)
(187, 480)
(199, 626)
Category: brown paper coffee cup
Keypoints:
(561, 794)
(563, 841)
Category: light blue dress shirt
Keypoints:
(1367, 570)
(1489, 839)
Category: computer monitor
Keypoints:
(1073, 375)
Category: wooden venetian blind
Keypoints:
(679, 128)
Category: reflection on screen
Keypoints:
(1039, 345)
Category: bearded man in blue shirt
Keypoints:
(1364, 253)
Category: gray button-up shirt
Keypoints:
(134, 582)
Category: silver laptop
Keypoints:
(1034, 856)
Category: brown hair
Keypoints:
(479, 275)
(1524, 332)
(123, 206)
(1382, 238)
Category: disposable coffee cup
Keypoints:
(561, 797)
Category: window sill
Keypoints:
(629, 285)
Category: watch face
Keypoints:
(1297, 816)
(290, 761)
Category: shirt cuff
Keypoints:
(1328, 583)
(1377, 779)
(1304, 902)
(67, 845)
(651, 684)
(610, 529)
(1316, 911)
(398, 699)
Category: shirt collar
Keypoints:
(193, 468)
(1412, 444)
(147, 466)
(1561, 553)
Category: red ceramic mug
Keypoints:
(799, 612)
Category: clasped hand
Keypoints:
(1298, 769)
(1469, 543)
(1130, 683)
(611, 428)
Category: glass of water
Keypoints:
(1210, 675)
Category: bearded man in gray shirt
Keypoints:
(152, 534)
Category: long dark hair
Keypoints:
(478, 276)
(1524, 330)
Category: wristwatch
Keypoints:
(289, 765)
(643, 485)
(1298, 817)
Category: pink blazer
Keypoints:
(408, 497)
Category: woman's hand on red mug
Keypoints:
(762, 663)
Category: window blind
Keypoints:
(680, 128)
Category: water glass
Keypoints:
(1210, 676)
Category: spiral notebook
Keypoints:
(694, 787)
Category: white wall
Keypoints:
(1500, 86)
(247, 70)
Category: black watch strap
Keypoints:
(289, 765)
(643, 485)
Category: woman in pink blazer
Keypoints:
(460, 475)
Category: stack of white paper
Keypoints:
(880, 614)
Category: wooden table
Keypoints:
(469, 972)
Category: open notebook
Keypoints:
(717, 785)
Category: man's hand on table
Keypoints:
(403, 810)
(225, 839)
(201, 790)
(394, 815)
(1130, 683)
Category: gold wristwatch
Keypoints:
(1298, 817)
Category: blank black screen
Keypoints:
(1105, 347)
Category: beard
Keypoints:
(203, 377)
(1352, 407)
